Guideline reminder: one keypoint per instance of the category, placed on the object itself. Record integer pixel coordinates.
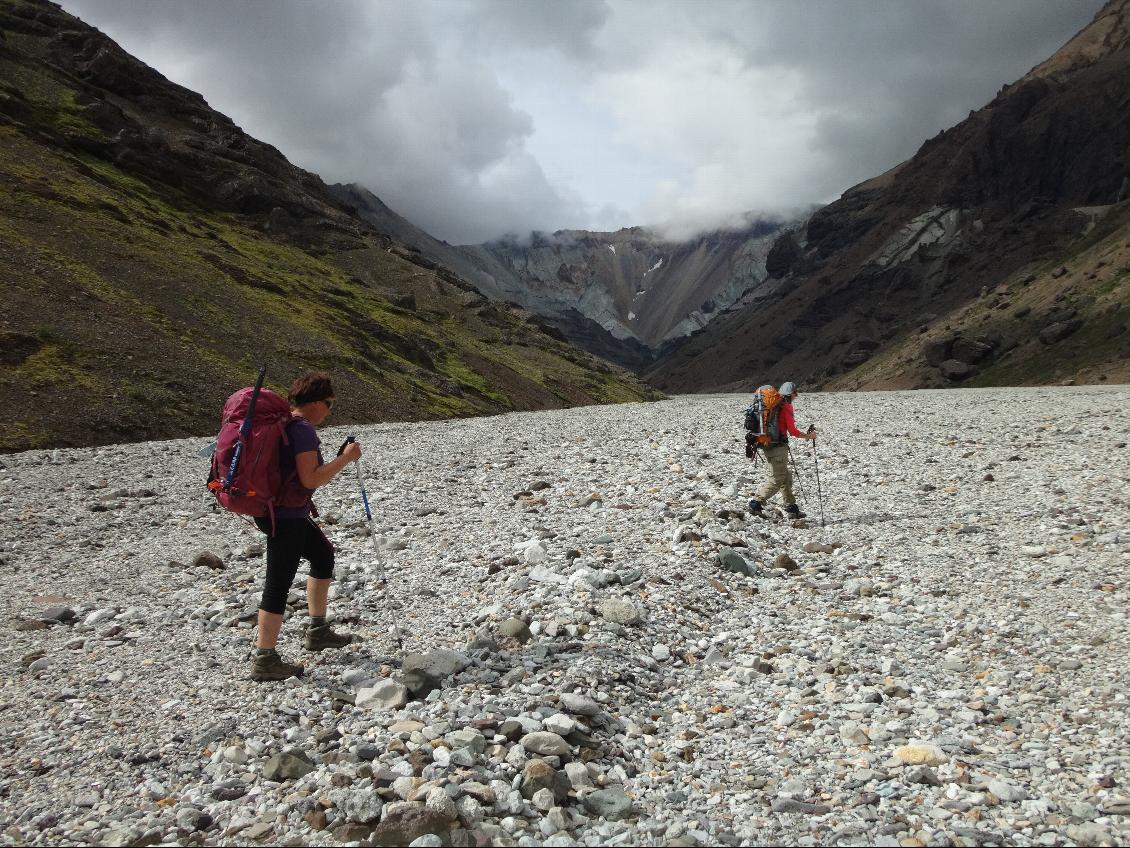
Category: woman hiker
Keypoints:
(777, 457)
(296, 536)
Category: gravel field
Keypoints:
(583, 638)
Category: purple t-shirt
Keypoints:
(303, 438)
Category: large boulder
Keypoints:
(1059, 330)
(970, 350)
(955, 369)
(937, 351)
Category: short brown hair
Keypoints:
(308, 388)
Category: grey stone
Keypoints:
(515, 628)
(440, 663)
(384, 694)
(620, 612)
(730, 560)
(923, 775)
(560, 724)
(611, 804)
(792, 805)
(547, 744)
(1006, 791)
(60, 614)
(468, 738)
(579, 704)
(288, 765)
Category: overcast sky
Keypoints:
(475, 118)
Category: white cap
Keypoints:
(787, 389)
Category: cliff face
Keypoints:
(998, 253)
(631, 282)
(152, 254)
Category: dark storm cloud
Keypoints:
(682, 112)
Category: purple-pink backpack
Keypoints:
(256, 487)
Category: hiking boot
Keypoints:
(755, 507)
(273, 667)
(794, 511)
(321, 638)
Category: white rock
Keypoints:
(385, 694)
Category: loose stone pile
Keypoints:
(583, 638)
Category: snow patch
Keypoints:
(612, 247)
(631, 316)
(654, 267)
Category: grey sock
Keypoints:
(317, 621)
(264, 652)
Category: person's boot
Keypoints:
(271, 666)
(321, 637)
(755, 506)
(794, 511)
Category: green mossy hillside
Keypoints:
(132, 301)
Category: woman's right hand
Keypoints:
(352, 452)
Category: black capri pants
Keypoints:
(294, 539)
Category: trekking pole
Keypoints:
(245, 428)
(819, 493)
(365, 501)
(796, 474)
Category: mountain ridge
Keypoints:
(1003, 208)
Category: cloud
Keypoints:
(777, 105)
(474, 118)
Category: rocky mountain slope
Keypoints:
(587, 640)
(628, 296)
(151, 254)
(633, 283)
(998, 254)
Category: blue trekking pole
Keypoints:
(245, 428)
(364, 500)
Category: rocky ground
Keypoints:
(584, 638)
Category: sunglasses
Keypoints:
(329, 402)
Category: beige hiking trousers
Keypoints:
(780, 478)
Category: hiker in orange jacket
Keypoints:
(777, 457)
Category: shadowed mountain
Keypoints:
(998, 254)
(152, 254)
